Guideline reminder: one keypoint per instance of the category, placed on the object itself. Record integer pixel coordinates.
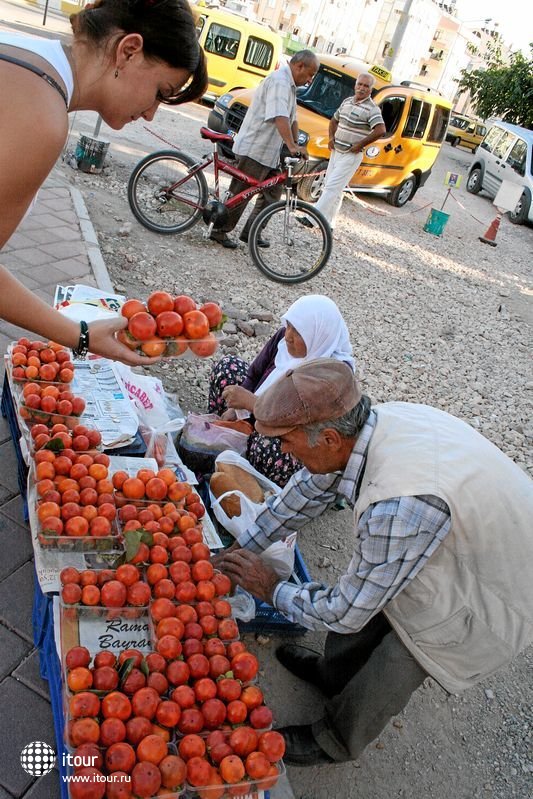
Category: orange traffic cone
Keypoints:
(490, 235)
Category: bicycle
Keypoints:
(168, 193)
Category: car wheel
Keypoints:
(402, 193)
(520, 213)
(474, 182)
(309, 189)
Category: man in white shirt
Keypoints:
(354, 125)
(269, 123)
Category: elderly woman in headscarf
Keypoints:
(313, 327)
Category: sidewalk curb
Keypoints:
(103, 281)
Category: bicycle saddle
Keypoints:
(213, 135)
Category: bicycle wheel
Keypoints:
(155, 200)
(297, 252)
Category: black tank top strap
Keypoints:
(38, 72)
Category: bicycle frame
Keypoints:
(219, 165)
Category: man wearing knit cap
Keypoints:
(439, 582)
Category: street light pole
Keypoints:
(398, 35)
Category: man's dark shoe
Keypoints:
(224, 241)
(303, 220)
(301, 749)
(303, 663)
(260, 241)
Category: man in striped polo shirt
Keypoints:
(354, 125)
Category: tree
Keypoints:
(502, 90)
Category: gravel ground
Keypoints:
(446, 321)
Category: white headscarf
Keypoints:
(319, 322)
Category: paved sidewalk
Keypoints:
(56, 244)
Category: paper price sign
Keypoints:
(453, 180)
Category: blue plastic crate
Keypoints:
(48, 653)
(268, 619)
(9, 412)
(41, 613)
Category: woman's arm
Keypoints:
(27, 154)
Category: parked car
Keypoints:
(395, 166)
(506, 153)
(240, 52)
(465, 131)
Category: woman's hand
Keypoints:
(102, 341)
(239, 397)
(229, 415)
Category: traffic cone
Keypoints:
(490, 235)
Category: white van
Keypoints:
(506, 153)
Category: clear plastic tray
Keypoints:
(31, 416)
(247, 788)
(173, 347)
(87, 543)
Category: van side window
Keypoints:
(417, 120)
(503, 144)
(439, 123)
(517, 157)
(222, 40)
(258, 53)
(481, 130)
(491, 138)
(459, 122)
(391, 111)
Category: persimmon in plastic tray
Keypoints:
(33, 416)
(44, 362)
(172, 347)
(79, 537)
(169, 326)
(121, 589)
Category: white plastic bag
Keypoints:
(158, 418)
(280, 554)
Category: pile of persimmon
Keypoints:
(50, 405)
(184, 572)
(128, 727)
(182, 529)
(108, 588)
(74, 493)
(37, 360)
(62, 440)
(168, 325)
(160, 487)
(245, 760)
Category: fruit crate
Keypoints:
(52, 668)
(41, 611)
(10, 414)
(268, 619)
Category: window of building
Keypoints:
(424, 70)
(222, 41)
(258, 53)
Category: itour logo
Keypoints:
(37, 758)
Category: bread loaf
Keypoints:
(231, 478)
(220, 483)
(242, 480)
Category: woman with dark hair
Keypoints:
(126, 57)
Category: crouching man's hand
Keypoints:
(248, 570)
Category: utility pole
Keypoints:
(398, 35)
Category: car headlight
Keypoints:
(224, 100)
(303, 138)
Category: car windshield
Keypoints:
(326, 92)
(457, 122)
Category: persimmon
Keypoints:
(232, 769)
(173, 771)
(138, 594)
(79, 679)
(145, 702)
(116, 705)
(131, 307)
(90, 595)
(71, 594)
(145, 780)
(168, 713)
(85, 730)
(105, 678)
(133, 488)
(138, 728)
(112, 731)
(77, 656)
(120, 757)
